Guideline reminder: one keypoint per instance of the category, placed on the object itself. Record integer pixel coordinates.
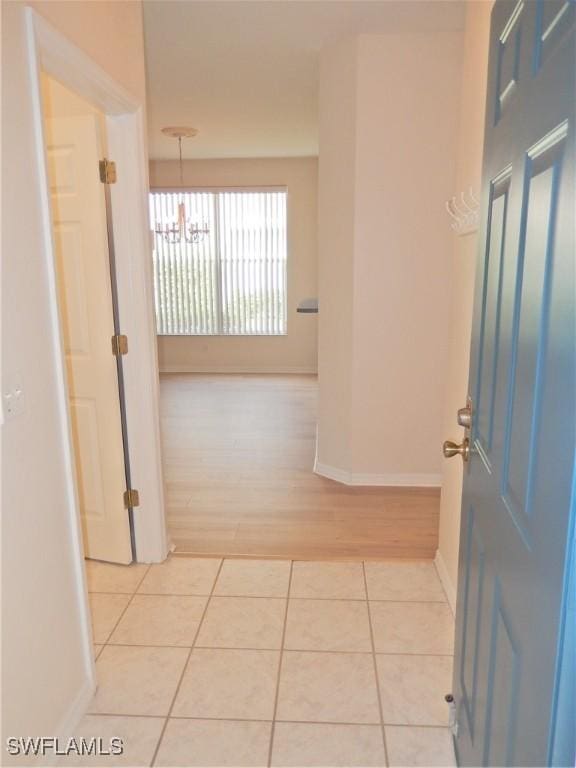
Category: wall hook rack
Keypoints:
(464, 212)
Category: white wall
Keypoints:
(463, 266)
(336, 205)
(389, 113)
(110, 32)
(47, 665)
(408, 89)
(297, 351)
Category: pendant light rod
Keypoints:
(180, 156)
(181, 230)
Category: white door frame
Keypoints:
(53, 54)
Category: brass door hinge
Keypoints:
(131, 498)
(107, 171)
(119, 344)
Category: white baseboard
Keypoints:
(449, 586)
(77, 709)
(194, 368)
(361, 478)
(72, 717)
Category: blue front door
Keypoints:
(517, 509)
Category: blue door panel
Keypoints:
(517, 510)
(503, 681)
(536, 262)
(508, 69)
(553, 19)
(490, 333)
(472, 608)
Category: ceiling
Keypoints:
(245, 72)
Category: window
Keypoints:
(232, 282)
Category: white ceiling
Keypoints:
(245, 72)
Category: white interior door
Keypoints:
(85, 299)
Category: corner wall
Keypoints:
(336, 212)
(46, 655)
(388, 129)
(463, 267)
(408, 86)
(297, 352)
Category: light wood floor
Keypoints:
(238, 456)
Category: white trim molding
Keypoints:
(69, 722)
(404, 480)
(52, 53)
(76, 712)
(443, 575)
(263, 369)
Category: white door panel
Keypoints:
(85, 299)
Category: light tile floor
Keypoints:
(203, 662)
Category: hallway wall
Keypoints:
(296, 352)
(47, 659)
(388, 128)
(336, 190)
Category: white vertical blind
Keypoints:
(234, 280)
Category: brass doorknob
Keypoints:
(450, 449)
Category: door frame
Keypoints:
(52, 53)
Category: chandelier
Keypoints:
(182, 229)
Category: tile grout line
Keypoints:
(188, 657)
(433, 726)
(275, 650)
(106, 642)
(275, 710)
(294, 650)
(378, 692)
(278, 597)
